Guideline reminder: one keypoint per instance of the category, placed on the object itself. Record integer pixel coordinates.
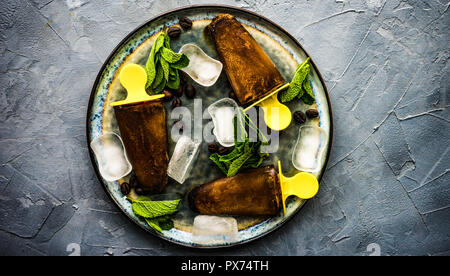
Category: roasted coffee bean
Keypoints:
(312, 113)
(179, 91)
(139, 190)
(176, 103)
(232, 95)
(168, 95)
(223, 150)
(185, 23)
(174, 32)
(133, 181)
(125, 188)
(299, 117)
(213, 148)
(183, 77)
(190, 91)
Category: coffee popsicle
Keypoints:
(251, 72)
(142, 124)
(260, 191)
(251, 192)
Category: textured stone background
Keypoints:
(386, 65)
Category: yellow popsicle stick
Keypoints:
(133, 77)
(303, 185)
(276, 115)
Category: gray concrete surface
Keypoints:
(387, 186)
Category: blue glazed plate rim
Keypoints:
(110, 57)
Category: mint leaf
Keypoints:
(232, 155)
(173, 73)
(159, 43)
(240, 161)
(160, 223)
(140, 198)
(166, 68)
(238, 148)
(162, 65)
(170, 56)
(159, 76)
(157, 214)
(307, 99)
(256, 160)
(245, 154)
(153, 209)
(308, 89)
(166, 223)
(296, 86)
(167, 41)
(215, 158)
(157, 58)
(154, 224)
(151, 72)
(150, 64)
(181, 63)
(160, 87)
(174, 79)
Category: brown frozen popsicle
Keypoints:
(142, 124)
(251, 192)
(143, 130)
(251, 72)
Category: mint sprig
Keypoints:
(150, 65)
(156, 213)
(245, 154)
(170, 56)
(160, 223)
(308, 96)
(163, 64)
(300, 87)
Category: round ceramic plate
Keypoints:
(284, 51)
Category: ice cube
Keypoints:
(202, 68)
(182, 160)
(308, 151)
(110, 153)
(222, 113)
(214, 229)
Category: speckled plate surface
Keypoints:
(285, 52)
